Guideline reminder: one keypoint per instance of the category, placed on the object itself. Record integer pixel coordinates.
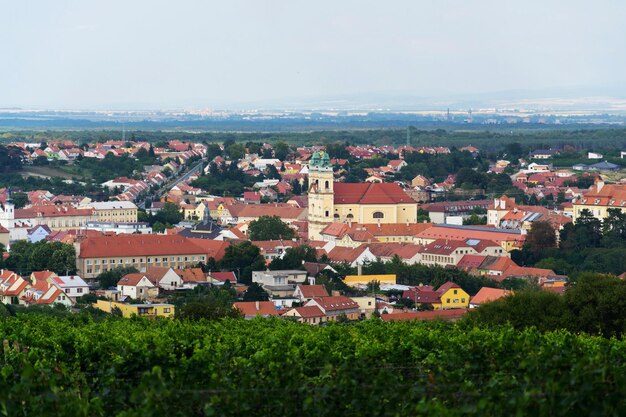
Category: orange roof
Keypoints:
(284, 212)
(486, 294)
(341, 254)
(192, 275)
(335, 303)
(212, 248)
(60, 210)
(139, 245)
(470, 232)
(312, 291)
(131, 280)
(256, 308)
(370, 193)
(426, 315)
(308, 312)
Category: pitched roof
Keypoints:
(224, 276)
(446, 286)
(486, 294)
(256, 308)
(370, 193)
(191, 275)
(308, 312)
(335, 303)
(313, 291)
(131, 280)
(139, 245)
(426, 315)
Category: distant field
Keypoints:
(45, 172)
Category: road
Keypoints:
(168, 186)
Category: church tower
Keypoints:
(321, 194)
(7, 213)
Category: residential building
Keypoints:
(600, 198)
(114, 211)
(97, 254)
(275, 278)
(486, 294)
(72, 285)
(308, 315)
(336, 306)
(252, 309)
(305, 293)
(140, 310)
(137, 287)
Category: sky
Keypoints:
(154, 54)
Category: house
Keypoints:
(308, 315)
(420, 181)
(367, 305)
(599, 199)
(140, 310)
(137, 286)
(164, 277)
(12, 287)
(38, 233)
(351, 256)
(252, 309)
(72, 285)
(192, 277)
(397, 164)
(220, 278)
(543, 153)
(336, 306)
(276, 278)
(305, 293)
(594, 155)
(486, 294)
(40, 291)
(451, 295)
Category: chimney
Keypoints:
(359, 269)
(257, 305)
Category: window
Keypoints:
(67, 290)
(327, 213)
(448, 301)
(455, 292)
(166, 310)
(79, 290)
(379, 215)
(326, 185)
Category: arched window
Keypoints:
(326, 184)
(336, 215)
(349, 216)
(379, 215)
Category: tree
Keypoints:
(614, 229)
(19, 199)
(272, 173)
(110, 278)
(294, 257)
(270, 228)
(243, 258)
(585, 233)
(207, 303)
(255, 293)
(236, 151)
(281, 151)
(26, 257)
(169, 214)
(541, 236)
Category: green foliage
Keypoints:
(475, 219)
(541, 236)
(110, 278)
(224, 180)
(102, 170)
(243, 258)
(10, 159)
(210, 303)
(270, 228)
(26, 257)
(19, 199)
(595, 304)
(293, 258)
(232, 367)
(255, 293)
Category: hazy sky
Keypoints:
(180, 53)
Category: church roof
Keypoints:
(370, 193)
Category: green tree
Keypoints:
(110, 278)
(243, 258)
(19, 199)
(210, 303)
(270, 228)
(541, 236)
(614, 229)
(255, 293)
(281, 151)
(236, 151)
(294, 257)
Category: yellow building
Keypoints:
(599, 199)
(360, 203)
(114, 211)
(354, 280)
(141, 310)
(451, 295)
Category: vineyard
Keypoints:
(118, 367)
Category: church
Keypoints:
(359, 203)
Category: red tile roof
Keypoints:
(426, 315)
(486, 294)
(139, 245)
(131, 280)
(256, 308)
(370, 193)
(312, 291)
(335, 303)
(309, 312)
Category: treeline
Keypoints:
(75, 366)
(485, 138)
(595, 304)
(589, 245)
